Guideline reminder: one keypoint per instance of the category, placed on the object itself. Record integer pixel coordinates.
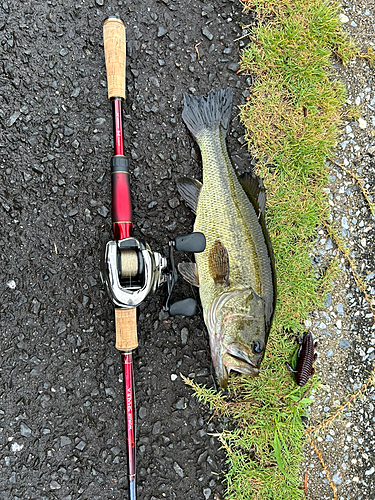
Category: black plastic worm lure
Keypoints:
(305, 359)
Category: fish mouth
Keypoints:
(231, 363)
(243, 355)
(238, 358)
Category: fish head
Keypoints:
(241, 331)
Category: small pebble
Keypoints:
(54, 485)
(340, 309)
(13, 118)
(344, 344)
(180, 405)
(142, 412)
(233, 67)
(161, 31)
(156, 427)
(184, 335)
(206, 32)
(25, 430)
(81, 446)
(337, 478)
(75, 92)
(16, 447)
(344, 223)
(64, 441)
(174, 202)
(178, 470)
(343, 18)
(207, 493)
(103, 211)
(11, 284)
(362, 123)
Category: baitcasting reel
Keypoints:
(130, 270)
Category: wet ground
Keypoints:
(61, 396)
(61, 406)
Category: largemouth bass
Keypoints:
(236, 273)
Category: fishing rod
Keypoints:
(129, 269)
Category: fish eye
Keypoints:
(257, 346)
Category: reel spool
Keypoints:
(130, 271)
(129, 264)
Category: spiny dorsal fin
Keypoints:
(189, 190)
(253, 186)
(218, 263)
(189, 271)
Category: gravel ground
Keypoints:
(345, 330)
(61, 399)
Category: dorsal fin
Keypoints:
(253, 186)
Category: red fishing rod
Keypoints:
(129, 269)
(122, 223)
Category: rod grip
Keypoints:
(126, 329)
(115, 56)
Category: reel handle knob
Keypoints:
(193, 242)
(185, 307)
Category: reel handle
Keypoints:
(115, 56)
(184, 307)
(193, 242)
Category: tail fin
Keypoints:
(208, 113)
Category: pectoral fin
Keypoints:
(189, 189)
(218, 262)
(189, 271)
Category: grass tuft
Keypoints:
(292, 121)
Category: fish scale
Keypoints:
(225, 214)
(237, 283)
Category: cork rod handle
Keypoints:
(115, 56)
(126, 329)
